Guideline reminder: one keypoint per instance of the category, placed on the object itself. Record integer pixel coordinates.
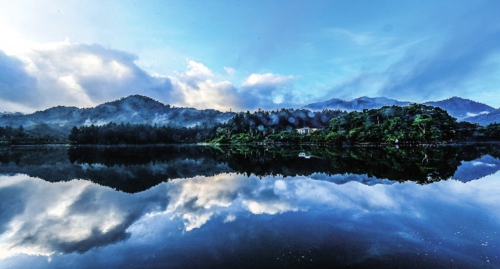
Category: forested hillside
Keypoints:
(412, 124)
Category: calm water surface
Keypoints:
(195, 207)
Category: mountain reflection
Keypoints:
(135, 169)
(234, 215)
(206, 207)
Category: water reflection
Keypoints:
(249, 207)
(234, 220)
(41, 218)
(135, 169)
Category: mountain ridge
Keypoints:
(356, 104)
(457, 107)
(140, 109)
(451, 104)
(135, 109)
(486, 119)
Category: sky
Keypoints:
(245, 55)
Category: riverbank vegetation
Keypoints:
(415, 124)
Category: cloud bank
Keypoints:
(73, 75)
(40, 76)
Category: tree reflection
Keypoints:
(137, 168)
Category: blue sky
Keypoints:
(244, 55)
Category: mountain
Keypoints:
(10, 113)
(140, 109)
(357, 104)
(461, 108)
(478, 168)
(457, 107)
(132, 109)
(485, 119)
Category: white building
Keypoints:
(306, 130)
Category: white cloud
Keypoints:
(51, 74)
(41, 75)
(90, 74)
(229, 70)
(197, 87)
(268, 91)
(265, 80)
(230, 218)
(198, 71)
(37, 76)
(12, 43)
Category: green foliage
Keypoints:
(274, 126)
(415, 123)
(412, 124)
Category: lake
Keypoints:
(244, 207)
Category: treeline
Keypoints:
(415, 123)
(256, 126)
(113, 133)
(19, 136)
(412, 124)
(275, 125)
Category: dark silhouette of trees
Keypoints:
(112, 134)
(20, 136)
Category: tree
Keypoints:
(74, 135)
(422, 121)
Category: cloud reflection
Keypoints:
(42, 218)
(66, 217)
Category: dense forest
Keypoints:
(273, 126)
(412, 124)
(41, 134)
(113, 133)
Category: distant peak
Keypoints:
(458, 98)
(140, 97)
(137, 97)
